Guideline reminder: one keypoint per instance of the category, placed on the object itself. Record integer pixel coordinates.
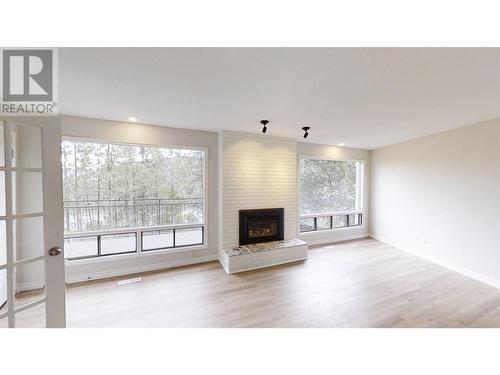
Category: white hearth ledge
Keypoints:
(250, 257)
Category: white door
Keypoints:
(32, 287)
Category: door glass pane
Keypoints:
(3, 291)
(2, 155)
(3, 272)
(80, 247)
(191, 236)
(27, 146)
(3, 244)
(28, 237)
(118, 243)
(34, 317)
(30, 282)
(158, 239)
(2, 193)
(27, 192)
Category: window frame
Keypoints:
(360, 188)
(138, 230)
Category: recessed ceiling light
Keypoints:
(341, 144)
(133, 119)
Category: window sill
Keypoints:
(117, 257)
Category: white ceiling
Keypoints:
(363, 97)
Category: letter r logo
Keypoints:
(27, 75)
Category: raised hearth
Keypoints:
(248, 257)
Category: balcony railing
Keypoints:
(92, 215)
(329, 221)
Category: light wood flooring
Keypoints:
(363, 283)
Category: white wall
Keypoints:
(439, 197)
(78, 270)
(340, 153)
(258, 171)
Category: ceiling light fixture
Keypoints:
(133, 119)
(264, 123)
(306, 129)
(341, 144)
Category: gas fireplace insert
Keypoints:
(262, 225)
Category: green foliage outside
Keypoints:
(327, 186)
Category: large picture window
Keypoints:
(121, 198)
(330, 194)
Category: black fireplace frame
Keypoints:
(278, 213)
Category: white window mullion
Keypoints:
(138, 239)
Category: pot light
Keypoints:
(133, 119)
(341, 144)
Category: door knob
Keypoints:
(55, 251)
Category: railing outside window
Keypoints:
(91, 215)
(330, 221)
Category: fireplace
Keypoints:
(262, 225)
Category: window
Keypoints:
(121, 198)
(329, 194)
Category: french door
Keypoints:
(32, 286)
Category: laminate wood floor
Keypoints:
(363, 283)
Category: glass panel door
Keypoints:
(31, 224)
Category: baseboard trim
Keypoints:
(77, 278)
(333, 239)
(441, 262)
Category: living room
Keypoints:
(280, 186)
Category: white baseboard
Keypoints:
(337, 238)
(71, 279)
(441, 262)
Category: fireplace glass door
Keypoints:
(262, 227)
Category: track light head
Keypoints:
(264, 123)
(306, 129)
